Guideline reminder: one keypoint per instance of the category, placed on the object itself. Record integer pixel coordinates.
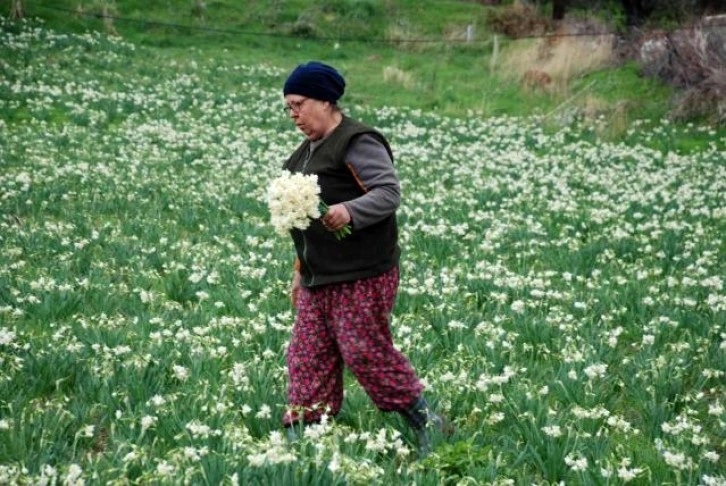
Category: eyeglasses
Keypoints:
(295, 105)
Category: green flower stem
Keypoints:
(340, 233)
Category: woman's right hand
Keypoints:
(295, 289)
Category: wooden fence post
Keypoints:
(16, 10)
(495, 54)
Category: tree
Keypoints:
(712, 7)
(558, 9)
(636, 11)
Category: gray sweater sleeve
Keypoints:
(373, 168)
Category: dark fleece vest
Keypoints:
(366, 252)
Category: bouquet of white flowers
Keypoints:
(294, 201)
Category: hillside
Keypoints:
(561, 295)
(439, 56)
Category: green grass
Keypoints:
(562, 292)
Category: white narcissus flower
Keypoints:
(552, 430)
(293, 201)
(712, 456)
(576, 463)
(165, 469)
(181, 373)
(596, 370)
(677, 460)
(264, 412)
(157, 400)
(518, 306)
(74, 475)
(148, 421)
(627, 474)
(6, 336)
(87, 431)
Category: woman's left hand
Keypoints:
(336, 217)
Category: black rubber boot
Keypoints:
(425, 422)
(294, 432)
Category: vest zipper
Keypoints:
(307, 159)
(305, 241)
(305, 257)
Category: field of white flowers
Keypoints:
(562, 297)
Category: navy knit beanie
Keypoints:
(315, 80)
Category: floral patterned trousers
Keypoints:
(347, 324)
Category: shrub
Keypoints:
(694, 60)
(707, 99)
(304, 27)
(518, 20)
(352, 9)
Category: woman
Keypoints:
(344, 288)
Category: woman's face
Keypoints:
(311, 116)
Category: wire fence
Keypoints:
(467, 38)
